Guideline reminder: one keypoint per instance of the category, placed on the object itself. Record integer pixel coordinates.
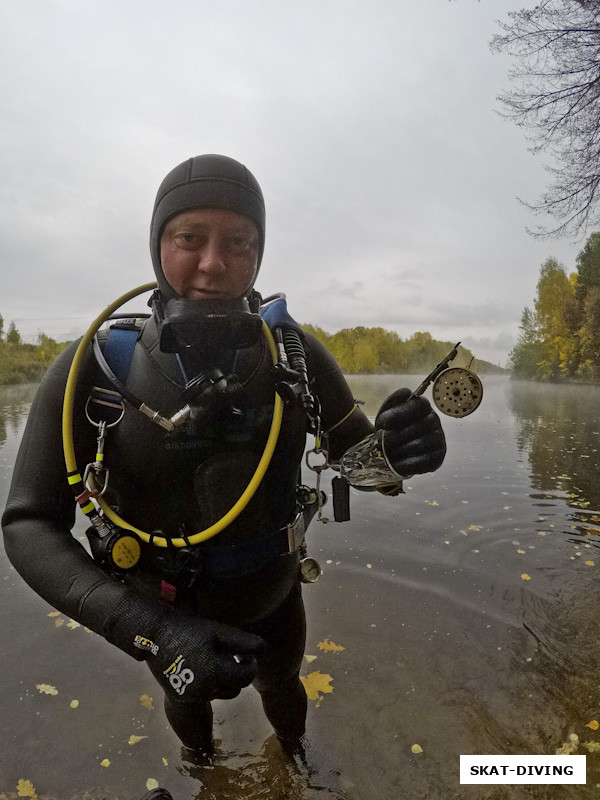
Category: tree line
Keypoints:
(25, 363)
(357, 350)
(559, 337)
(376, 350)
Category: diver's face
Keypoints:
(209, 254)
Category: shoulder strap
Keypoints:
(119, 347)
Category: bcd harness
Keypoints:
(111, 539)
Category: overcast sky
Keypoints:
(390, 180)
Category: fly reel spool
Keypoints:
(457, 392)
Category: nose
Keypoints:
(212, 257)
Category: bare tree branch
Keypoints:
(556, 96)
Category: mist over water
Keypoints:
(467, 609)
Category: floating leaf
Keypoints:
(316, 682)
(45, 688)
(54, 614)
(474, 527)
(432, 502)
(590, 563)
(151, 783)
(105, 763)
(73, 624)
(416, 749)
(133, 739)
(165, 762)
(146, 701)
(566, 749)
(525, 576)
(330, 647)
(522, 552)
(25, 789)
(58, 622)
(309, 658)
(591, 747)
(593, 725)
(74, 703)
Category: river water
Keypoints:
(467, 610)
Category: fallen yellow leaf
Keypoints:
(590, 563)
(58, 622)
(593, 725)
(25, 789)
(151, 783)
(45, 688)
(165, 762)
(416, 749)
(310, 658)
(54, 613)
(73, 624)
(316, 682)
(74, 703)
(146, 701)
(591, 747)
(133, 739)
(526, 577)
(330, 647)
(105, 763)
(474, 527)
(566, 749)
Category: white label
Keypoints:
(522, 769)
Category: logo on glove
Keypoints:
(145, 644)
(179, 676)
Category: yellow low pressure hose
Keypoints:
(69, 449)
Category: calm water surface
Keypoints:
(467, 608)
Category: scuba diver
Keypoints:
(209, 614)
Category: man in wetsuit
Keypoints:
(208, 618)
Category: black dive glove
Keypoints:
(191, 657)
(413, 439)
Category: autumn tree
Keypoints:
(554, 306)
(556, 97)
(13, 336)
(527, 352)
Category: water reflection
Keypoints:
(558, 427)
(14, 404)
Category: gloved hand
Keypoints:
(190, 656)
(413, 439)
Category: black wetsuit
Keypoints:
(178, 482)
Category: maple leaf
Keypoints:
(591, 747)
(330, 647)
(316, 682)
(45, 688)
(25, 789)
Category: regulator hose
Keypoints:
(69, 448)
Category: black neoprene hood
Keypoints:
(207, 181)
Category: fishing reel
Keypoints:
(456, 391)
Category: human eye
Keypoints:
(187, 240)
(239, 243)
